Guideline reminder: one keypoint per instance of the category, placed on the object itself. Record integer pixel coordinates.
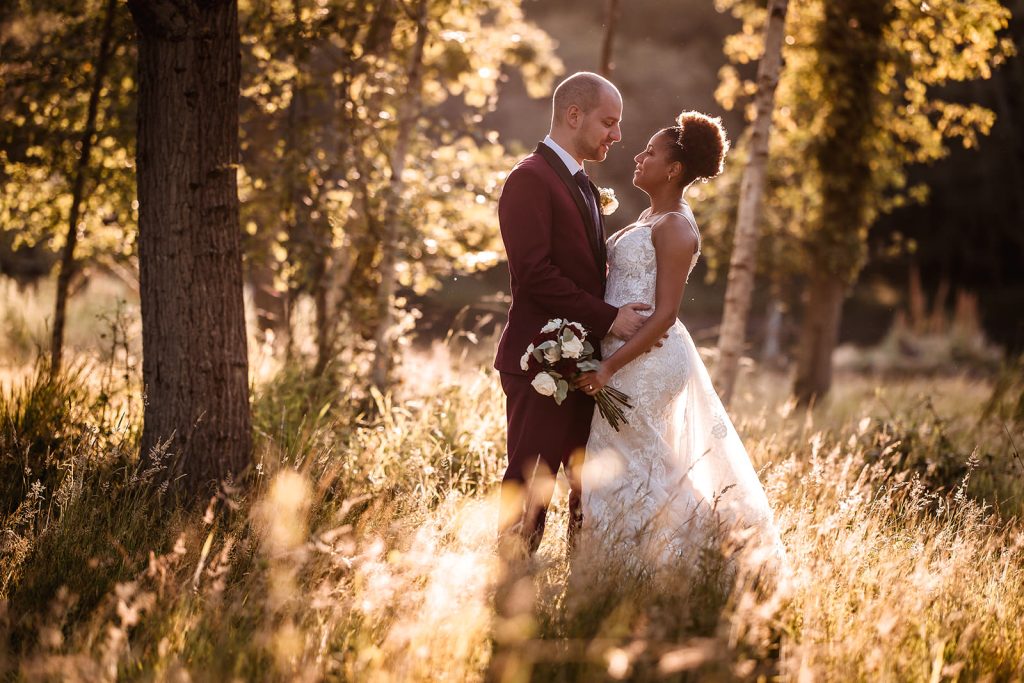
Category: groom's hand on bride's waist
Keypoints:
(628, 320)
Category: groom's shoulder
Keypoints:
(531, 162)
(532, 165)
(531, 177)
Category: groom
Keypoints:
(553, 232)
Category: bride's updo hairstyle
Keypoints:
(701, 144)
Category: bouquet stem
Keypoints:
(609, 401)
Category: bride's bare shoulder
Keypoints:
(675, 231)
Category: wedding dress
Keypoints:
(678, 470)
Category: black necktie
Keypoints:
(584, 182)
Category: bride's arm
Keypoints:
(674, 244)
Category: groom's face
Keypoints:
(599, 128)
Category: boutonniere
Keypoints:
(608, 201)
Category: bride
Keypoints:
(677, 470)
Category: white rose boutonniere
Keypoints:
(608, 201)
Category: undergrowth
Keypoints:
(364, 547)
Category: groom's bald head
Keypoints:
(584, 90)
(585, 114)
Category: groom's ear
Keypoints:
(573, 115)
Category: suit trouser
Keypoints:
(541, 436)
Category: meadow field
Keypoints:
(362, 549)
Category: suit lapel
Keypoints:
(562, 172)
(602, 247)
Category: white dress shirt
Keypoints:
(567, 159)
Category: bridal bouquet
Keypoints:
(561, 352)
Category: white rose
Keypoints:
(551, 326)
(544, 384)
(572, 348)
(524, 362)
(551, 352)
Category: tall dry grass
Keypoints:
(365, 548)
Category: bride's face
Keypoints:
(654, 164)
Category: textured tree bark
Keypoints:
(195, 366)
(608, 43)
(742, 265)
(67, 262)
(819, 332)
(386, 290)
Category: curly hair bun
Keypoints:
(703, 144)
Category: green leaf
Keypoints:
(562, 391)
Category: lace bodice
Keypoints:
(632, 263)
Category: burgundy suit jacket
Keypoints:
(557, 264)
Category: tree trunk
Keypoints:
(850, 47)
(331, 293)
(302, 241)
(324, 320)
(195, 366)
(819, 332)
(67, 262)
(608, 44)
(407, 115)
(733, 331)
(771, 353)
(269, 304)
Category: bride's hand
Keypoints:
(592, 382)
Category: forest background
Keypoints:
(305, 487)
(964, 237)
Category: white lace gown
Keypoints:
(678, 464)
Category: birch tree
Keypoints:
(743, 263)
(408, 113)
